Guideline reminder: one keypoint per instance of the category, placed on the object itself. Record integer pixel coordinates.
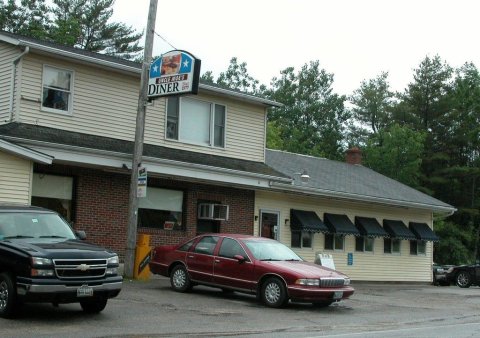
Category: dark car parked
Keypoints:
(43, 260)
(464, 275)
(249, 264)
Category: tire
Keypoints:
(93, 306)
(179, 279)
(463, 279)
(8, 296)
(274, 293)
(322, 304)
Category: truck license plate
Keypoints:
(338, 295)
(84, 291)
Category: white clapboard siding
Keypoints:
(105, 104)
(7, 55)
(15, 179)
(376, 266)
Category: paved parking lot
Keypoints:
(151, 309)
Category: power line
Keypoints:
(161, 37)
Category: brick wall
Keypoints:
(101, 206)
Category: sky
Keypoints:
(354, 40)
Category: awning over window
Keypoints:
(370, 227)
(306, 221)
(423, 232)
(398, 230)
(340, 224)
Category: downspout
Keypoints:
(12, 83)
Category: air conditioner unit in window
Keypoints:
(213, 211)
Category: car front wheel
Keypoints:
(179, 279)
(8, 296)
(463, 279)
(274, 293)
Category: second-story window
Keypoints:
(195, 121)
(57, 89)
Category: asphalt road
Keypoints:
(151, 309)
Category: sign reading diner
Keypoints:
(175, 72)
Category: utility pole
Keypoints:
(138, 148)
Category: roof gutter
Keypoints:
(15, 62)
(362, 198)
(138, 70)
(153, 160)
(85, 58)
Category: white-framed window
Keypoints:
(57, 90)
(213, 211)
(301, 239)
(195, 121)
(334, 242)
(53, 192)
(364, 244)
(161, 208)
(418, 247)
(391, 245)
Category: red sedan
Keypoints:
(249, 264)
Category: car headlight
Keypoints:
(113, 260)
(42, 273)
(346, 281)
(111, 272)
(308, 282)
(41, 261)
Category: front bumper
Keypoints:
(316, 294)
(54, 290)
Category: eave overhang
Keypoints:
(440, 211)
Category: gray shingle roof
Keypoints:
(340, 179)
(58, 136)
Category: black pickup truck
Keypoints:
(43, 260)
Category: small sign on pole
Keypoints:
(142, 182)
(176, 72)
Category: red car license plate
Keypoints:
(338, 295)
(84, 291)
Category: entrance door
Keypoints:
(269, 225)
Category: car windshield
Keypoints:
(271, 251)
(33, 225)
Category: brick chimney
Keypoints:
(353, 156)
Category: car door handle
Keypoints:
(191, 256)
(217, 261)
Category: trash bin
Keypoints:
(142, 257)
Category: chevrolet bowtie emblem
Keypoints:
(83, 267)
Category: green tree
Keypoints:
(396, 153)
(237, 77)
(426, 95)
(86, 24)
(372, 103)
(453, 247)
(312, 120)
(28, 19)
(207, 77)
(78, 23)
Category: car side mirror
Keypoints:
(239, 258)
(81, 234)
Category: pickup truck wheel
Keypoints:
(463, 279)
(179, 279)
(93, 306)
(274, 293)
(8, 296)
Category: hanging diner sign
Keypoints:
(175, 72)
